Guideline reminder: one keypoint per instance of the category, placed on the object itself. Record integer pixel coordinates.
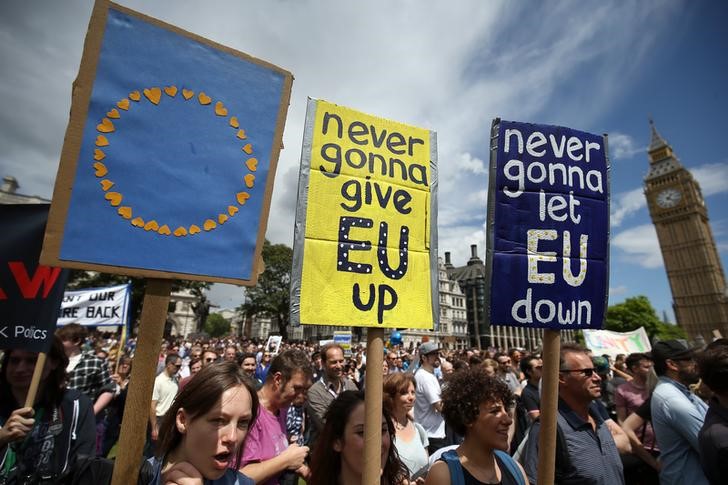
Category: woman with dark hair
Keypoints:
(478, 407)
(410, 438)
(115, 409)
(202, 431)
(338, 458)
(40, 443)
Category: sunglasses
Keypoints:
(587, 372)
(209, 359)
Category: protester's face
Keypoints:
(406, 400)
(642, 368)
(208, 358)
(317, 361)
(334, 365)
(174, 367)
(489, 370)
(266, 358)
(124, 368)
(351, 444)
(504, 363)
(230, 354)
(687, 371)
(577, 385)
(196, 354)
(433, 359)
(491, 425)
(295, 389)
(210, 442)
(516, 357)
(69, 346)
(21, 365)
(195, 368)
(536, 368)
(249, 365)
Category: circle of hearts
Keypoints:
(155, 95)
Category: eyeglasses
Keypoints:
(587, 372)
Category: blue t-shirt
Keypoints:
(231, 477)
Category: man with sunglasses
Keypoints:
(677, 414)
(586, 452)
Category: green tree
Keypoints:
(216, 325)
(637, 312)
(271, 296)
(80, 279)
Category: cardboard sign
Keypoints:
(547, 257)
(30, 293)
(170, 154)
(612, 343)
(97, 306)
(366, 223)
(273, 344)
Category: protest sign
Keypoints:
(613, 343)
(344, 339)
(366, 222)
(547, 258)
(273, 344)
(97, 306)
(170, 154)
(30, 293)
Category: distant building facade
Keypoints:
(9, 193)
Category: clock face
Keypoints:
(668, 198)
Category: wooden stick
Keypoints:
(141, 383)
(373, 407)
(35, 382)
(549, 407)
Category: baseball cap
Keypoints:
(428, 348)
(670, 349)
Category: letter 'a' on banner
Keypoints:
(30, 294)
(365, 250)
(169, 158)
(547, 256)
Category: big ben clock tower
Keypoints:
(693, 267)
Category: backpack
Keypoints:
(456, 469)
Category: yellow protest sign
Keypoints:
(364, 253)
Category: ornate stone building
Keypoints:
(693, 266)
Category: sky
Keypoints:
(601, 67)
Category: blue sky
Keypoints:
(602, 67)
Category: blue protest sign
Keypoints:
(547, 260)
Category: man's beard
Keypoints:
(688, 377)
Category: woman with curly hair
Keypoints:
(338, 458)
(478, 407)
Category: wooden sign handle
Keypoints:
(141, 382)
(35, 382)
(549, 407)
(373, 407)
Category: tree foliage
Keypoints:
(271, 296)
(637, 312)
(216, 325)
(80, 279)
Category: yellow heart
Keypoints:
(123, 104)
(106, 184)
(164, 230)
(114, 198)
(220, 109)
(252, 164)
(194, 229)
(248, 148)
(101, 169)
(209, 225)
(249, 180)
(99, 154)
(232, 210)
(171, 91)
(187, 94)
(222, 218)
(242, 197)
(242, 135)
(114, 113)
(125, 212)
(151, 226)
(234, 122)
(135, 96)
(106, 126)
(204, 99)
(180, 231)
(101, 141)
(138, 222)
(153, 95)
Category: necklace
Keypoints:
(400, 427)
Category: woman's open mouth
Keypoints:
(222, 460)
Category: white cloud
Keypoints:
(625, 204)
(640, 246)
(617, 291)
(713, 178)
(623, 146)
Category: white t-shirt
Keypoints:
(165, 389)
(427, 393)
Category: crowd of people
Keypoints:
(231, 411)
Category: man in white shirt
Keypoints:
(428, 404)
(165, 389)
